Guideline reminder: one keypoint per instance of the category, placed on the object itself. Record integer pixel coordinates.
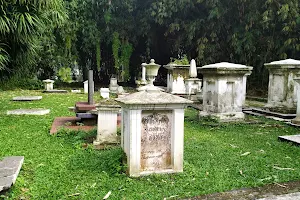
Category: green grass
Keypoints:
(215, 157)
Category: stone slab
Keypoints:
(27, 98)
(36, 111)
(291, 196)
(9, 171)
(70, 123)
(55, 91)
(275, 114)
(84, 106)
(291, 138)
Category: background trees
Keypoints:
(116, 36)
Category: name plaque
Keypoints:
(156, 140)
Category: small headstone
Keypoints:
(113, 86)
(9, 171)
(104, 92)
(86, 86)
(120, 90)
(37, 111)
(48, 84)
(27, 98)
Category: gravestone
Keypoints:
(27, 98)
(33, 111)
(223, 90)
(113, 86)
(107, 124)
(48, 84)
(86, 86)
(176, 77)
(9, 171)
(282, 87)
(153, 129)
(104, 93)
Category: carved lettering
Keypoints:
(156, 140)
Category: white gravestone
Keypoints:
(152, 132)
(86, 86)
(107, 124)
(223, 90)
(104, 93)
(48, 84)
(176, 78)
(282, 90)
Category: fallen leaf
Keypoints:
(207, 173)
(246, 153)
(92, 186)
(233, 146)
(107, 195)
(241, 173)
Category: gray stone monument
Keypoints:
(282, 87)
(153, 129)
(113, 86)
(223, 90)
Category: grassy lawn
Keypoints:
(217, 157)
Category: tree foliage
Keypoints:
(22, 25)
(109, 36)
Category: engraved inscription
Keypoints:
(156, 140)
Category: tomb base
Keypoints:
(224, 117)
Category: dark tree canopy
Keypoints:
(116, 36)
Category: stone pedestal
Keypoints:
(152, 132)
(107, 124)
(282, 87)
(297, 119)
(86, 86)
(113, 86)
(223, 90)
(48, 84)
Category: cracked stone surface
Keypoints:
(9, 171)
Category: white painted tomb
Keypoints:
(107, 124)
(152, 132)
(223, 90)
(282, 90)
(48, 84)
(175, 78)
